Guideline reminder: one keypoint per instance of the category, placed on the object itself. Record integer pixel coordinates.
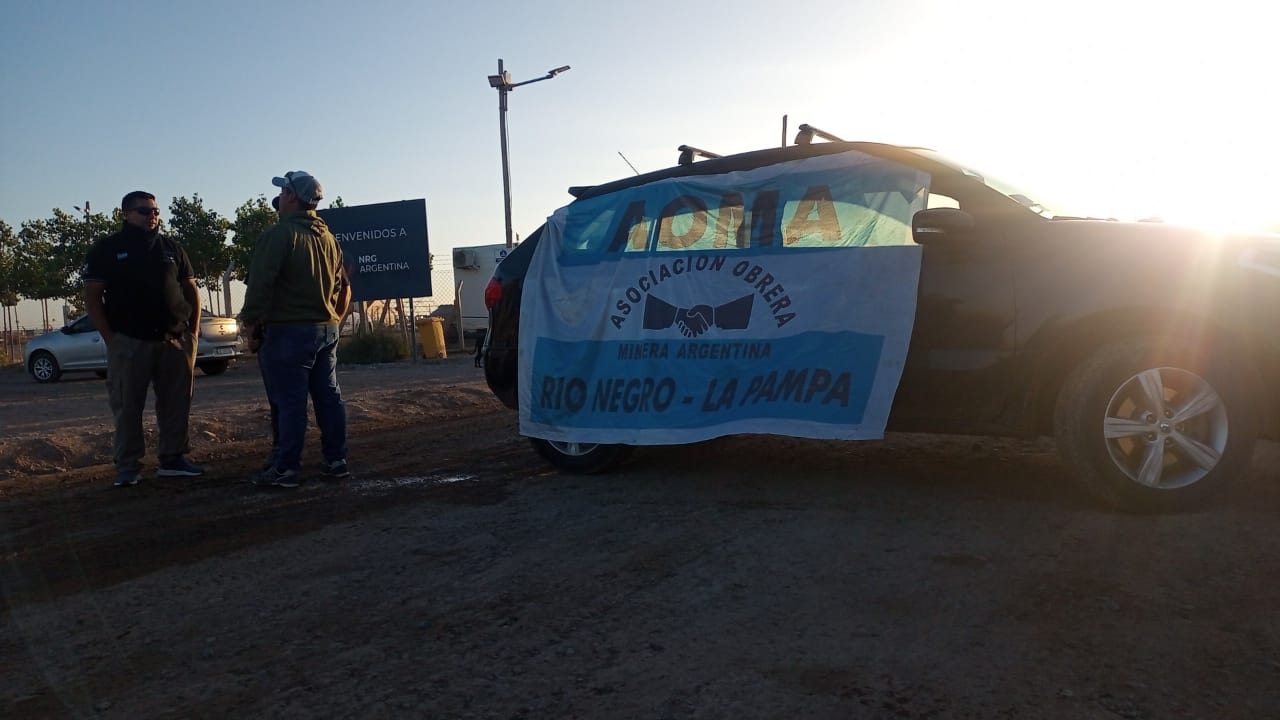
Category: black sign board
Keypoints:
(384, 248)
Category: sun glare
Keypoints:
(1112, 172)
(1119, 110)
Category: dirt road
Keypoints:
(751, 577)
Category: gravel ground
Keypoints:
(753, 577)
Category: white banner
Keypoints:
(777, 300)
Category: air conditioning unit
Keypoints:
(466, 259)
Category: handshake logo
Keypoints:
(692, 322)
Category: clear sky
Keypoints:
(1121, 108)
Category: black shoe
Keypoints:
(127, 476)
(337, 470)
(179, 467)
(277, 478)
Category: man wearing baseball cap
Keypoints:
(298, 293)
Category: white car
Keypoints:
(79, 346)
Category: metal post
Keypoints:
(506, 169)
(502, 83)
(413, 334)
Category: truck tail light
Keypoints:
(492, 293)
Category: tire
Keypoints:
(213, 367)
(44, 367)
(580, 458)
(1151, 427)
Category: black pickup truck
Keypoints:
(1149, 350)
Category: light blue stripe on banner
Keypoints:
(823, 377)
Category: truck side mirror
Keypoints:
(940, 225)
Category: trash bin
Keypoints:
(431, 337)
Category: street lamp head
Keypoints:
(557, 71)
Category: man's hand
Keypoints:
(252, 335)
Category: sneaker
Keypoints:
(179, 467)
(272, 477)
(337, 470)
(127, 476)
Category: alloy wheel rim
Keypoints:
(42, 368)
(1166, 428)
(573, 448)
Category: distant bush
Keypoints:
(373, 347)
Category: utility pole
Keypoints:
(502, 82)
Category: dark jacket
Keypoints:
(296, 273)
(144, 272)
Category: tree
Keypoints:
(8, 293)
(8, 260)
(203, 234)
(337, 203)
(34, 269)
(51, 255)
(254, 216)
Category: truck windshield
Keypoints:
(1032, 201)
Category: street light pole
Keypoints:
(503, 89)
(502, 82)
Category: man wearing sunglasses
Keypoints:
(297, 293)
(142, 296)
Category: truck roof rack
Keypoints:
(807, 133)
(688, 152)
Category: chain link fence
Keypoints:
(382, 315)
(403, 314)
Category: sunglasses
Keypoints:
(146, 211)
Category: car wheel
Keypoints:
(1156, 427)
(214, 367)
(580, 458)
(44, 367)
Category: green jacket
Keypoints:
(296, 273)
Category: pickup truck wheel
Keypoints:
(580, 458)
(1156, 427)
(44, 367)
(213, 367)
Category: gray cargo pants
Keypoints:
(132, 366)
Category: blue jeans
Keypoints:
(271, 403)
(298, 360)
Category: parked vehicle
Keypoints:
(472, 268)
(79, 346)
(1150, 351)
